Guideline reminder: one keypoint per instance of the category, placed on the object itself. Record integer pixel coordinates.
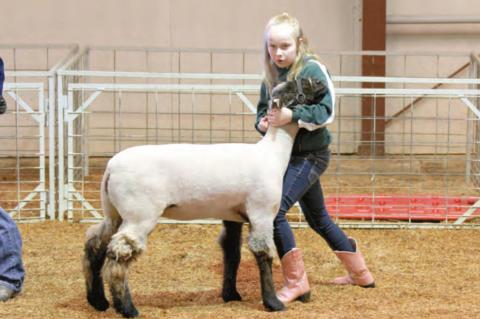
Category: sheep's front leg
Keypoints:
(261, 244)
(230, 240)
(116, 275)
(124, 248)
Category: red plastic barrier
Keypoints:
(400, 207)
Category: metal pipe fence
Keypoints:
(27, 153)
(23, 170)
(420, 179)
(410, 161)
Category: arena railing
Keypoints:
(430, 138)
(29, 128)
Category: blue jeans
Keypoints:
(12, 273)
(301, 183)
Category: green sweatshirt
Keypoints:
(312, 119)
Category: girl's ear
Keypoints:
(299, 45)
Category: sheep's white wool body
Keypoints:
(235, 182)
(231, 182)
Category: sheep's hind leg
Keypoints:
(95, 249)
(122, 250)
(261, 244)
(230, 240)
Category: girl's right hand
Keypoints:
(263, 124)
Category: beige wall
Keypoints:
(434, 37)
(331, 25)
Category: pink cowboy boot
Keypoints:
(296, 285)
(358, 273)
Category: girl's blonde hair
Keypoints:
(303, 50)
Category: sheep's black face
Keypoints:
(302, 91)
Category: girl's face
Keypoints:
(282, 45)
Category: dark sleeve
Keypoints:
(2, 73)
(262, 106)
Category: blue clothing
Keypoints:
(12, 273)
(2, 76)
(301, 183)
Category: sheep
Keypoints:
(236, 183)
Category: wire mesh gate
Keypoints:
(158, 123)
(27, 153)
(23, 165)
(423, 173)
(417, 159)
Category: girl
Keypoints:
(288, 57)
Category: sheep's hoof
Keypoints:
(273, 304)
(126, 311)
(231, 296)
(129, 313)
(97, 302)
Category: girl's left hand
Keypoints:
(279, 117)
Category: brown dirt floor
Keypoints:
(419, 274)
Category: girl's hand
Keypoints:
(263, 124)
(279, 117)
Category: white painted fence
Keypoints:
(424, 162)
(431, 140)
(27, 151)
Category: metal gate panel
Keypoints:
(126, 127)
(26, 64)
(421, 163)
(379, 181)
(23, 159)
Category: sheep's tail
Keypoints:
(109, 211)
(104, 231)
